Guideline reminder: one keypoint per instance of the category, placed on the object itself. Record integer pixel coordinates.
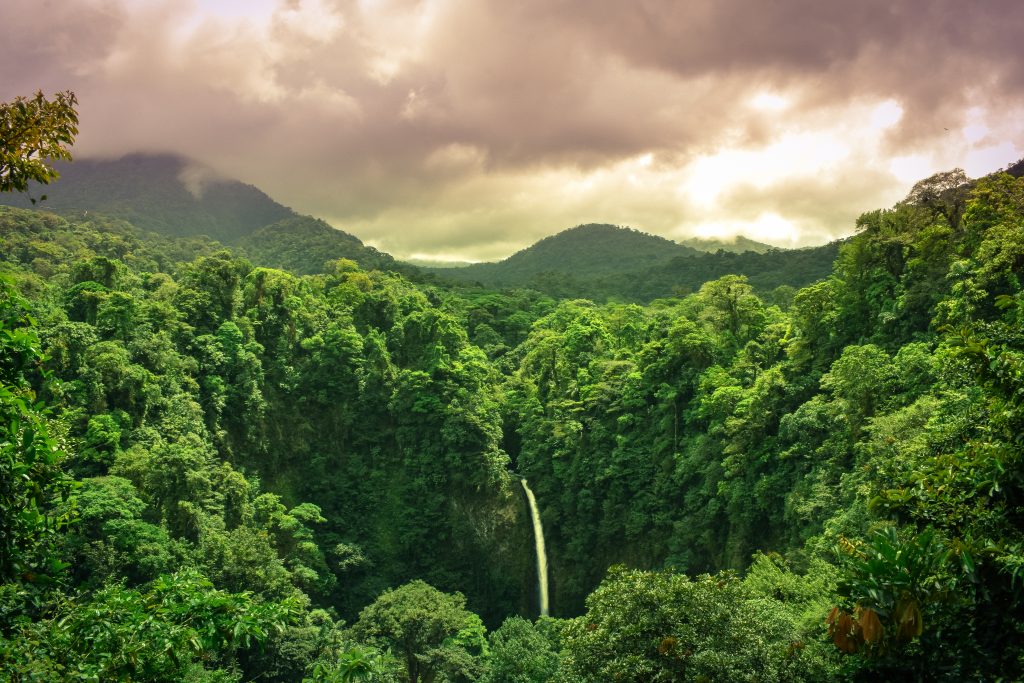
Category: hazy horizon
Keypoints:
(454, 131)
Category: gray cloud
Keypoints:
(471, 129)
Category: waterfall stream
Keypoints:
(542, 558)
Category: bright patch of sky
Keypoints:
(767, 101)
(768, 227)
(794, 155)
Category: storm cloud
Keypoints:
(467, 130)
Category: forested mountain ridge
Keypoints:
(591, 250)
(260, 454)
(178, 198)
(163, 193)
(606, 262)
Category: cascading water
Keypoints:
(542, 558)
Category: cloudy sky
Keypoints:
(467, 129)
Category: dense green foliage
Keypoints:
(217, 471)
(305, 246)
(431, 631)
(32, 482)
(677, 629)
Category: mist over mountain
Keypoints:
(177, 197)
(164, 193)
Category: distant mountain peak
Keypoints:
(595, 247)
(180, 197)
(587, 250)
(598, 260)
(165, 193)
(602, 230)
(736, 244)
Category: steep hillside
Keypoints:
(163, 193)
(303, 244)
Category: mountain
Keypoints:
(602, 262)
(163, 193)
(432, 263)
(592, 250)
(176, 197)
(737, 245)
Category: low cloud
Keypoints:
(473, 129)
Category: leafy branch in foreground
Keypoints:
(34, 132)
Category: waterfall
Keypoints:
(542, 557)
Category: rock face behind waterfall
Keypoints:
(497, 531)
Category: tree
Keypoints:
(520, 653)
(864, 377)
(34, 131)
(890, 580)
(944, 193)
(431, 631)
